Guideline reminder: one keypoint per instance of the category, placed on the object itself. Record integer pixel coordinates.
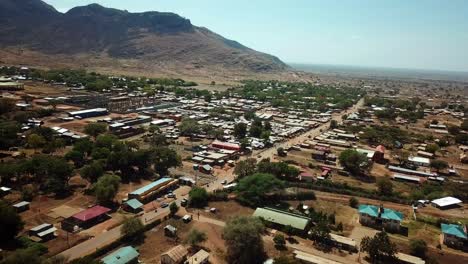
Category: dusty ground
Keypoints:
(226, 210)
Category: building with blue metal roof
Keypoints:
(133, 206)
(454, 235)
(375, 216)
(124, 255)
(157, 187)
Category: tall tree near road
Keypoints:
(243, 236)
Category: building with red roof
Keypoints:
(86, 218)
(379, 155)
(225, 145)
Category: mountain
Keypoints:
(95, 34)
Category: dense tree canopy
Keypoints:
(379, 247)
(354, 162)
(198, 197)
(243, 236)
(106, 188)
(10, 222)
(256, 189)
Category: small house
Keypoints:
(170, 231)
(124, 255)
(379, 155)
(454, 235)
(175, 255)
(43, 232)
(371, 215)
(201, 257)
(420, 161)
(86, 218)
(133, 206)
(306, 176)
(21, 206)
(446, 202)
(4, 191)
(318, 155)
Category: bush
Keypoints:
(418, 247)
(280, 241)
(198, 197)
(353, 202)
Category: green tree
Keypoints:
(165, 158)
(439, 164)
(418, 247)
(464, 125)
(285, 260)
(95, 129)
(354, 162)
(189, 127)
(353, 202)
(6, 105)
(254, 190)
(379, 247)
(432, 148)
(198, 197)
(333, 124)
(279, 240)
(385, 186)
(240, 130)
(132, 228)
(245, 168)
(173, 208)
(106, 188)
(281, 152)
(10, 222)
(35, 141)
(243, 236)
(320, 233)
(93, 171)
(195, 238)
(256, 128)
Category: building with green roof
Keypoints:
(124, 255)
(371, 215)
(454, 235)
(281, 218)
(133, 205)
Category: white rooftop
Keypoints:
(446, 201)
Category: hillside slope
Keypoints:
(96, 36)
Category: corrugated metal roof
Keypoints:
(455, 230)
(150, 186)
(282, 217)
(121, 256)
(91, 213)
(134, 203)
(177, 254)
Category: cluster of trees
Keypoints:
(379, 248)
(281, 170)
(107, 153)
(411, 110)
(244, 243)
(11, 121)
(48, 173)
(457, 132)
(354, 162)
(293, 94)
(94, 81)
(259, 183)
(198, 197)
(190, 128)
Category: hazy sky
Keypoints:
(422, 34)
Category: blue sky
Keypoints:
(416, 34)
